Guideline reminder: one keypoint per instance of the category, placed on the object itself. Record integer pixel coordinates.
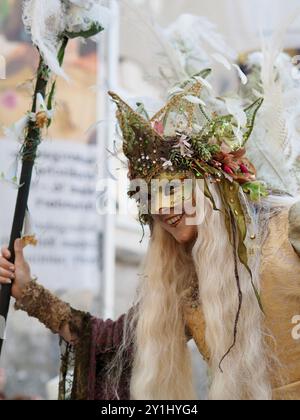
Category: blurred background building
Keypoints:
(90, 260)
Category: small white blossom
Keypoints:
(167, 163)
(184, 146)
(41, 107)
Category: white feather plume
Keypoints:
(181, 50)
(44, 19)
(196, 40)
(274, 144)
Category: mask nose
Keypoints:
(162, 203)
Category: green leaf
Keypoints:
(231, 200)
(62, 50)
(251, 113)
(204, 73)
(50, 100)
(209, 195)
(256, 190)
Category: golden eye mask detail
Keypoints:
(171, 191)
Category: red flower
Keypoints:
(228, 170)
(237, 166)
(244, 169)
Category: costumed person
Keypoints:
(224, 270)
(206, 280)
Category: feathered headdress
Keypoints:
(183, 136)
(275, 144)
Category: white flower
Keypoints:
(167, 163)
(184, 146)
(41, 107)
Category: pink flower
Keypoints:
(159, 127)
(184, 146)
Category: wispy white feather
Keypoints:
(182, 49)
(196, 39)
(274, 145)
(45, 21)
(220, 58)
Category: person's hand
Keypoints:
(19, 273)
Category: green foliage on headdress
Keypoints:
(255, 189)
(221, 128)
(142, 145)
(233, 208)
(203, 149)
(251, 113)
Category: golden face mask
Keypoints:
(170, 192)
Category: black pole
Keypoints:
(28, 154)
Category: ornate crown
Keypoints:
(183, 137)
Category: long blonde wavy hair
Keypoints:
(162, 365)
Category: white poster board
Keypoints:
(62, 204)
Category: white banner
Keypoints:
(62, 204)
